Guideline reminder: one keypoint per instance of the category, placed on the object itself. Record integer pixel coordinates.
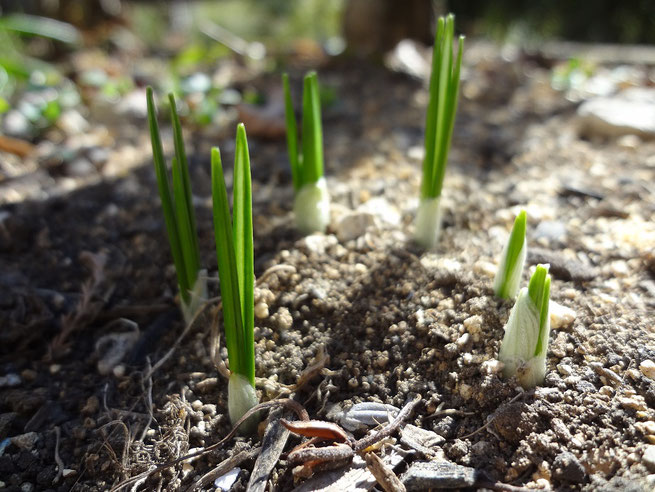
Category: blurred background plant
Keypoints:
(92, 57)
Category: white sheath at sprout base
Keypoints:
(428, 222)
(241, 397)
(312, 207)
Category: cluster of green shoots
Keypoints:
(439, 123)
(524, 346)
(234, 250)
(177, 205)
(311, 206)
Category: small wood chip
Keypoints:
(383, 474)
(273, 444)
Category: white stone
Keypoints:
(492, 366)
(649, 457)
(10, 380)
(631, 112)
(561, 316)
(382, 209)
(354, 225)
(225, 482)
(647, 368)
(318, 242)
(25, 441)
(261, 310)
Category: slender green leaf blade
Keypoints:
(227, 271)
(292, 135)
(536, 285)
(431, 114)
(166, 198)
(544, 314)
(445, 69)
(193, 256)
(449, 123)
(514, 257)
(243, 248)
(184, 226)
(312, 132)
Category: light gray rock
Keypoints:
(354, 225)
(649, 457)
(425, 475)
(629, 112)
(25, 441)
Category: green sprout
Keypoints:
(524, 346)
(234, 251)
(176, 202)
(312, 201)
(509, 272)
(439, 123)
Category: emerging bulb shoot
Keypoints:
(525, 344)
(428, 223)
(312, 207)
(241, 397)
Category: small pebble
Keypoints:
(284, 318)
(25, 441)
(466, 391)
(561, 316)
(354, 225)
(647, 368)
(473, 325)
(27, 487)
(492, 366)
(225, 482)
(634, 403)
(649, 457)
(10, 380)
(261, 310)
(196, 405)
(68, 472)
(318, 243)
(28, 375)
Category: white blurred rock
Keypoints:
(647, 368)
(631, 112)
(354, 225)
(561, 316)
(318, 242)
(382, 209)
(25, 441)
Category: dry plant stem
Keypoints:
(390, 428)
(289, 404)
(58, 460)
(383, 474)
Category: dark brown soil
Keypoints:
(392, 319)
